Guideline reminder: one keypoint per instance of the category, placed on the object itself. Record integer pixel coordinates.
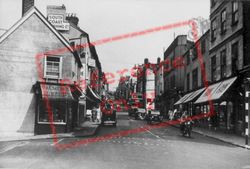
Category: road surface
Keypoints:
(155, 149)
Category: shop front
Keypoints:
(92, 98)
(227, 104)
(54, 108)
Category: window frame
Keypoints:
(45, 75)
(235, 13)
(213, 68)
(213, 29)
(233, 57)
(195, 78)
(40, 110)
(223, 17)
(223, 63)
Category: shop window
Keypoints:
(213, 68)
(58, 111)
(223, 63)
(235, 12)
(195, 78)
(235, 55)
(223, 21)
(53, 67)
(213, 30)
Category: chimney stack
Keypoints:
(72, 18)
(26, 5)
(158, 60)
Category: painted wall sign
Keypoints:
(58, 22)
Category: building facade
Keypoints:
(229, 55)
(224, 52)
(90, 74)
(32, 77)
(159, 85)
(173, 72)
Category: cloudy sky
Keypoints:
(108, 18)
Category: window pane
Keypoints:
(57, 109)
(53, 66)
(235, 6)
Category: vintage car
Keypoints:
(108, 113)
(152, 115)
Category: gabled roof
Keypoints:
(34, 10)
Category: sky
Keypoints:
(107, 18)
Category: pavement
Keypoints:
(87, 128)
(222, 136)
(229, 138)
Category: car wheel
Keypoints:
(136, 115)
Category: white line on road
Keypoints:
(11, 147)
(153, 134)
(57, 142)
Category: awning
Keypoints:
(194, 95)
(223, 88)
(183, 99)
(216, 90)
(56, 92)
(92, 96)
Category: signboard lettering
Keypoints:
(58, 22)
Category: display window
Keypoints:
(58, 110)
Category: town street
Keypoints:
(156, 149)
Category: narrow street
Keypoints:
(158, 148)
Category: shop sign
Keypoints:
(91, 62)
(58, 22)
(54, 91)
